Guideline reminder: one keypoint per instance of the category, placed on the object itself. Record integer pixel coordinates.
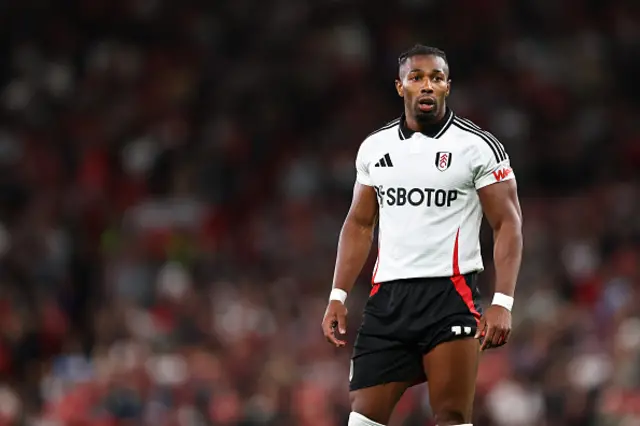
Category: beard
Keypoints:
(426, 117)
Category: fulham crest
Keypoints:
(443, 160)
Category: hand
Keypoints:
(494, 327)
(335, 317)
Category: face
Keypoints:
(424, 84)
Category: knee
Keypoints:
(361, 406)
(375, 414)
(450, 416)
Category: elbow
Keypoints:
(518, 236)
(516, 224)
(359, 225)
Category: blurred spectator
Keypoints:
(173, 178)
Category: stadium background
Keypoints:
(173, 177)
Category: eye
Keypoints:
(438, 78)
(416, 78)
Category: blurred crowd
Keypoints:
(174, 175)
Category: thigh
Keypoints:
(451, 311)
(384, 363)
(380, 361)
(380, 376)
(377, 402)
(452, 369)
(382, 353)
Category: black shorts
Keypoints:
(405, 319)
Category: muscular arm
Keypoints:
(353, 248)
(356, 237)
(502, 210)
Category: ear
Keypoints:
(399, 88)
(448, 88)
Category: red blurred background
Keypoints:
(174, 175)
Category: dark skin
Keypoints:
(354, 246)
(424, 85)
(423, 80)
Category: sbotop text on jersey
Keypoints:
(399, 196)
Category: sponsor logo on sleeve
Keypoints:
(502, 173)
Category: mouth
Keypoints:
(426, 104)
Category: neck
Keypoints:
(421, 126)
(433, 128)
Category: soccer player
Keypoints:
(426, 179)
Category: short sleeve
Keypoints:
(362, 168)
(492, 164)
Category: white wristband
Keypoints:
(338, 294)
(503, 300)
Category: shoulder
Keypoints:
(380, 136)
(480, 139)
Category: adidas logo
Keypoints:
(384, 162)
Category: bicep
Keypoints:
(500, 203)
(364, 205)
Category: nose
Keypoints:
(427, 87)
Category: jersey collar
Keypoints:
(433, 131)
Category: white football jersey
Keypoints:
(429, 209)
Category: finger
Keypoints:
(331, 338)
(327, 323)
(327, 329)
(498, 337)
(342, 323)
(488, 338)
(505, 338)
(481, 325)
(335, 340)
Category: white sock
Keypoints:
(357, 419)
